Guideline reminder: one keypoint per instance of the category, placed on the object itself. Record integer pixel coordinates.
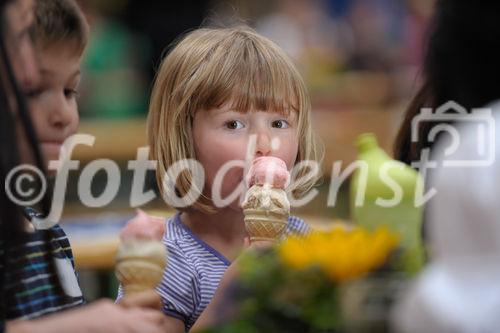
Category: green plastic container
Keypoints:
(381, 176)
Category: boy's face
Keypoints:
(52, 102)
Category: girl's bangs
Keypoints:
(252, 77)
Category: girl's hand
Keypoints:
(146, 299)
(256, 245)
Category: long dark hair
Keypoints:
(12, 228)
(461, 64)
(462, 57)
(11, 214)
(404, 149)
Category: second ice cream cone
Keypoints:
(140, 264)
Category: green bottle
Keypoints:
(382, 177)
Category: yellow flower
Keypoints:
(293, 254)
(341, 253)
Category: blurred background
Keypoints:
(360, 59)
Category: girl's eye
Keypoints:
(280, 124)
(234, 124)
(70, 93)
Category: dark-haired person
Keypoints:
(461, 64)
(458, 291)
(36, 265)
(60, 35)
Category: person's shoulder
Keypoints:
(297, 226)
(178, 243)
(32, 214)
(59, 242)
(174, 232)
(57, 235)
(180, 285)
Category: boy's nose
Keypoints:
(60, 115)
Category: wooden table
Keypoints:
(98, 252)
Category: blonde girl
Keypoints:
(215, 92)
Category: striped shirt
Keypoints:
(194, 270)
(28, 289)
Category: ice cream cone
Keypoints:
(266, 212)
(140, 264)
(262, 225)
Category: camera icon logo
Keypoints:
(447, 119)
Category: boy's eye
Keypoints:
(33, 93)
(70, 93)
(234, 124)
(280, 124)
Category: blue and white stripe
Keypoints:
(28, 289)
(194, 270)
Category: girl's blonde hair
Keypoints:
(208, 68)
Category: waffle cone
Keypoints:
(265, 225)
(140, 265)
(266, 211)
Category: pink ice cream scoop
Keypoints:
(270, 170)
(143, 226)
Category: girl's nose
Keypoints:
(263, 144)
